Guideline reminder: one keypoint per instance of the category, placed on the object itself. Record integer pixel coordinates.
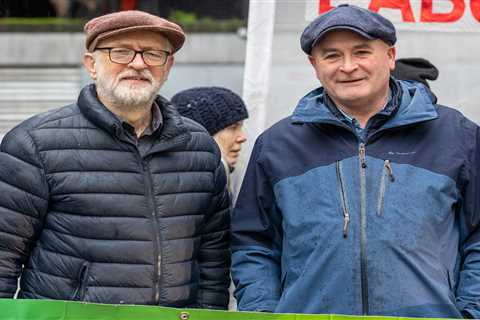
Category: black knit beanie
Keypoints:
(417, 69)
(215, 108)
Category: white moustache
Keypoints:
(141, 75)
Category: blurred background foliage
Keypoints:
(70, 15)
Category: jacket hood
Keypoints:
(416, 104)
(416, 69)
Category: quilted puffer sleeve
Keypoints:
(214, 257)
(23, 205)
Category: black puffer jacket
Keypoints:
(92, 220)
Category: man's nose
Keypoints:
(349, 64)
(138, 62)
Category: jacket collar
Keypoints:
(411, 103)
(172, 133)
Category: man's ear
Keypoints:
(392, 54)
(314, 64)
(312, 60)
(168, 66)
(89, 64)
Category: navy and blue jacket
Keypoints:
(386, 224)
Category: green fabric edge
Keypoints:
(24, 309)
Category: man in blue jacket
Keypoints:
(366, 199)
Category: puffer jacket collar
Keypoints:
(172, 134)
(414, 105)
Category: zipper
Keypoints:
(79, 294)
(343, 197)
(158, 258)
(363, 226)
(363, 216)
(387, 171)
(451, 287)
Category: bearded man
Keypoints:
(116, 198)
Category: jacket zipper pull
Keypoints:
(362, 156)
(388, 166)
(346, 221)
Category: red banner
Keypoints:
(449, 15)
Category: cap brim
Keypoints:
(356, 30)
(175, 37)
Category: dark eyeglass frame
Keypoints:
(135, 52)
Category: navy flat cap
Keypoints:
(367, 23)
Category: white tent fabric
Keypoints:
(256, 84)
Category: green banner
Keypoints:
(22, 309)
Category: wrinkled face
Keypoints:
(230, 141)
(133, 84)
(353, 70)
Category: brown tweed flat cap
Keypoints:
(124, 21)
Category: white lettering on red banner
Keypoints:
(441, 15)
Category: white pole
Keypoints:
(256, 80)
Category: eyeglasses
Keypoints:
(153, 58)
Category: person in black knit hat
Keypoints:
(221, 112)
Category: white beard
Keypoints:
(131, 95)
(125, 95)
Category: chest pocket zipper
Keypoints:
(387, 177)
(343, 198)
